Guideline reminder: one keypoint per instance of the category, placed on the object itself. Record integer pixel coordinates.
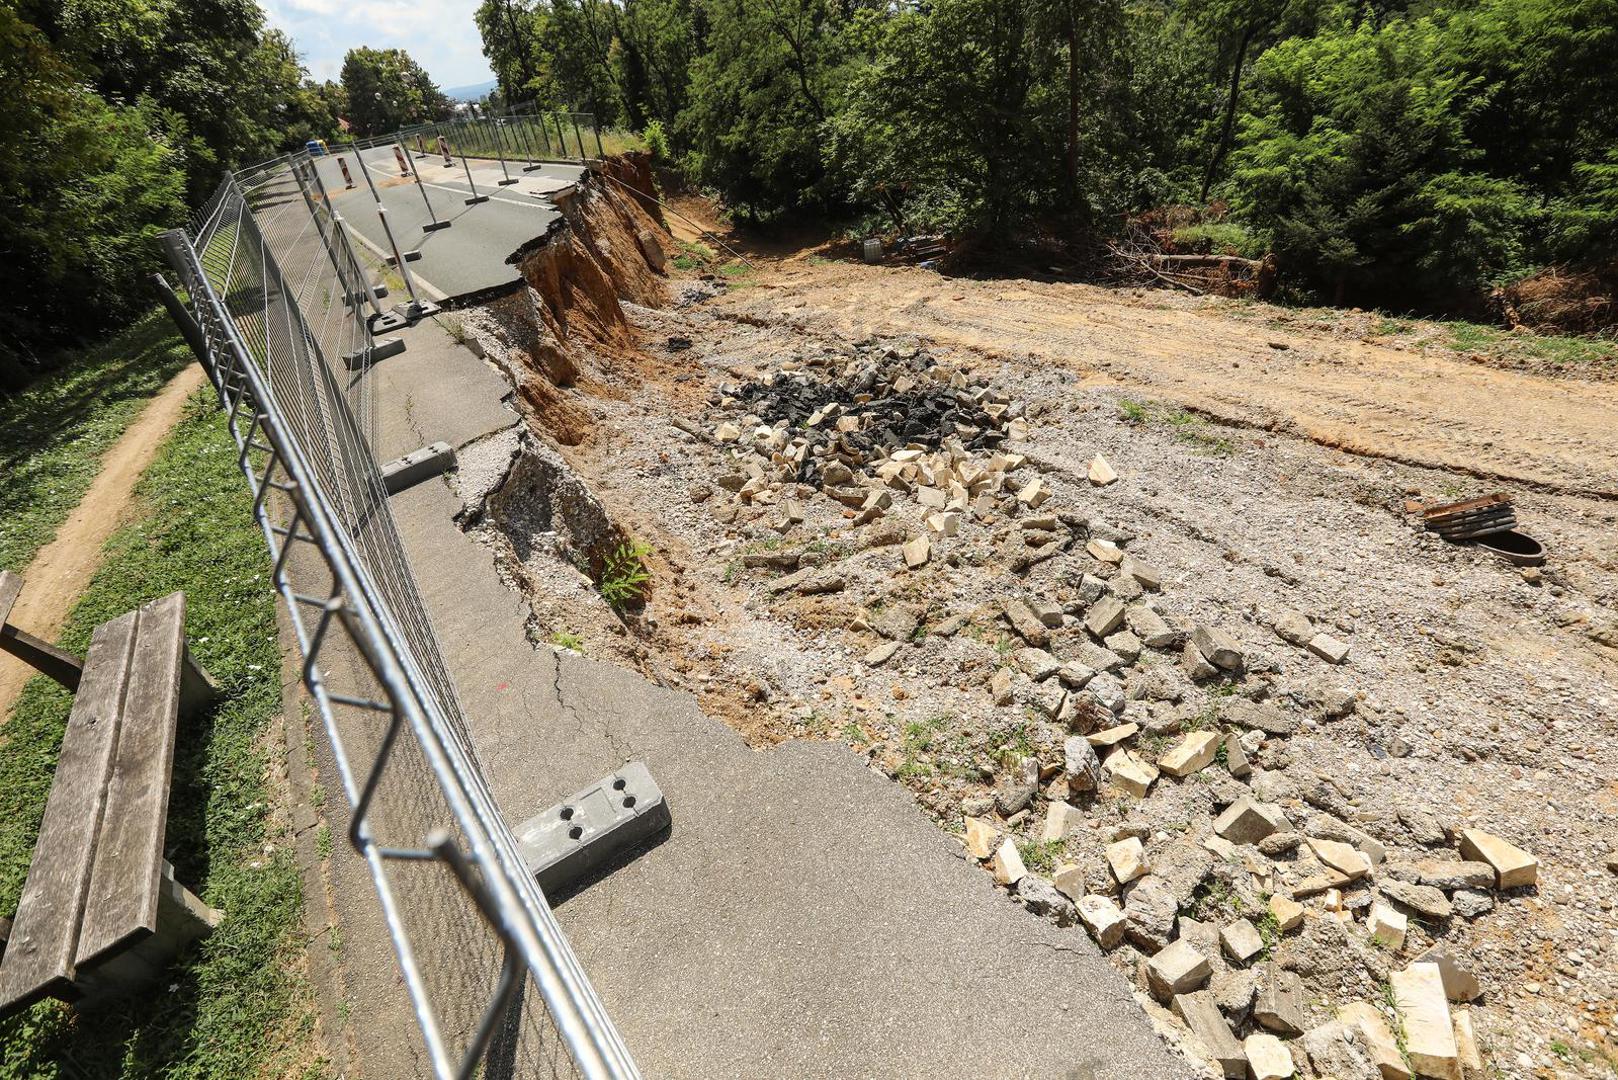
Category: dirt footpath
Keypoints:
(62, 570)
(1252, 365)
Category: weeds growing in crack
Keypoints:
(624, 580)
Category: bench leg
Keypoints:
(197, 688)
(42, 656)
(182, 918)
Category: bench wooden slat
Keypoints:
(44, 937)
(10, 589)
(122, 900)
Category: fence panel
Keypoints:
(285, 306)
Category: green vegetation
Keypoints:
(624, 579)
(1559, 351)
(1214, 900)
(118, 117)
(385, 90)
(235, 1004)
(53, 434)
(564, 639)
(1186, 427)
(694, 256)
(1412, 154)
(1040, 856)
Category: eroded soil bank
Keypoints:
(1039, 671)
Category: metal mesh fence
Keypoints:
(285, 306)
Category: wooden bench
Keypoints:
(101, 912)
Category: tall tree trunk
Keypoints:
(1223, 145)
(1072, 104)
(525, 64)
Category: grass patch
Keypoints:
(1040, 855)
(1184, 427)
(234, 1004)
(694, 256)
(54, 431)
(565, 639)
(1553, 349)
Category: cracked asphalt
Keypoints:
(802, 918)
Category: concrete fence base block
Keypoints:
(386, 321)
(532, 168)
(418, 465)
(434, 226)
(417, 310)
(474, 200)
(380, 350)
(583, 836)
(409, 256)
(507, 183)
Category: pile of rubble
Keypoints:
(1218, 918)
(1155, 802)
(881, 408)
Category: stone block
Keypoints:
(1328, 648)
(1008, 865)
(1104, 616)
(1514, 868)
(1177, 969)
(1241, 941)
(980, 838)
(1193, 753)
(1287, 911)
(1103, 919)
(1346, 859)
(1280, 1002)
(1201, 1014)
(1129, 773)
(1220, 649)
(1127, 858)
(1429, 1034)
(1247, 821)
(1267, 1058)
(1379, 1039)
(1387, 925)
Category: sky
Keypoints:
(439, 34)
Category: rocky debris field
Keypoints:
(1337, 797)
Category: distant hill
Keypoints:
(470, 93)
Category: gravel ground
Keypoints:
(1474, 695)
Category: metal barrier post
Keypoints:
(434, 225)
(311, 199)
(561, 136)
(476, 198)
(596, 127)
(525, 126)
(500, 148)
(416, 307)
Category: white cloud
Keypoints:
(440, 34)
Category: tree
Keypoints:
(87, 188)
(1243, 28)
(770, 79)
(387, 90)
(1356, 165)
(511, 33)
(946, 121)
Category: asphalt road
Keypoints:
(470, 255)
